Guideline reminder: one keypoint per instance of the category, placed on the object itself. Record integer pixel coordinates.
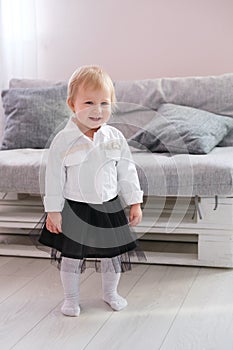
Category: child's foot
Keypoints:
(70, 309)
(116, 302)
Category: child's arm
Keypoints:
(135, 214)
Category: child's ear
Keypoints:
(70, 104)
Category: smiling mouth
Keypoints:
(95, 118)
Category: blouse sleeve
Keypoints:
(55, 176)
(128, 181)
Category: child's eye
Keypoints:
(89, 103)
(104, 104)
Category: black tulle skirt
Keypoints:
(91, 232)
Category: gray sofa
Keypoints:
(188, 188)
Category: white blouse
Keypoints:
(92, 171)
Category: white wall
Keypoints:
(135, 39)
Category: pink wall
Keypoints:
(135, 39)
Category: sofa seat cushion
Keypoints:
(160, 174)
(20, 169)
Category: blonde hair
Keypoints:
(87, 76)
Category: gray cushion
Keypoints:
(33, 116)
(186, 175)
(129, 117)
(21, 169)
(180, 129)
(227, 140)
(160, 174)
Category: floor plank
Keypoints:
(22, 310)
(60, 332)
(170, 308)
(154, 303)
(5, 259)
(205, 320)
(24, 267)
(10, 286)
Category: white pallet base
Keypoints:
(209, 242)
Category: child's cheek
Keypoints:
(83, 113)
(106, 113)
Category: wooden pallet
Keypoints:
(171, 232)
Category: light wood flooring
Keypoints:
(170, 307)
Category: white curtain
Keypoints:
(18, 40)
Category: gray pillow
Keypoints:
(227, 141)
(129, 117)
(33, 116)
(179, 129)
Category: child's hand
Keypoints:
(53, 222)
(135, 214)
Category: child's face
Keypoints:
(92, 107)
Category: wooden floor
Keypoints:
(170, 307)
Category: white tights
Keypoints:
(70, 277)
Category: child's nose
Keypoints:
(98, 108)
